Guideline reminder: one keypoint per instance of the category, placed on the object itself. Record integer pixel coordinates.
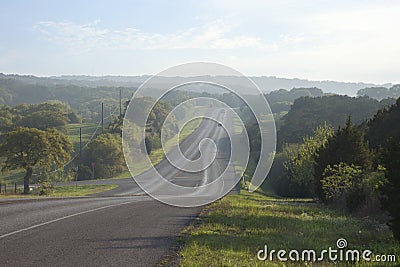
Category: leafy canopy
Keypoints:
(30, 147)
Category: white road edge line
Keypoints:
(62, 218)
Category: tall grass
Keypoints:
(231, 232)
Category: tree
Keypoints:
(106, 152)
(347, 145)
(390, 191)
(30, 148)
(45, 119)
(300, 161)
(148, 145)
(339, 179)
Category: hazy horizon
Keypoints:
(149, 75)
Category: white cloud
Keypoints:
(314, 39)
(89, 37)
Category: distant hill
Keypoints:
(84, 93)
(266, 84)
(281, 100)
(380, 93)
(16, 89)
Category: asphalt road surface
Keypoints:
(121, 227)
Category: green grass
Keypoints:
(80, 190)
(237, 126)
(66, 191)
(232, 230)
(157, 155)
(88, 130)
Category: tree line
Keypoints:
(51, 114)
(85, 99)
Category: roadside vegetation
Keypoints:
(231, 231)
(60, 191)
(352, 167)
(43, 162)
(335, 175)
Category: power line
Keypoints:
(91, 138)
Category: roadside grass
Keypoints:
(157, 155)
(231, 231)
(65, 191)
(237, 126)
(80, 190)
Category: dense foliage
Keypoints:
(300, 161)
(104, 155)
(384, 125)
(347, 146)
(356, 168)
(308, 113)
(86, 100)
(52, 114)
(391, 190)
(292, 173)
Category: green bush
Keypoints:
(85, 173)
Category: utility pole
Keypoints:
(120, 108)
(102, 117)
(93, 165)
(120, 102)
(80, 145)
(80, 156)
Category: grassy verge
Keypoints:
(67, 191)
(232, 230)
(157, 155)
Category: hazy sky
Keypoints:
(314, 39)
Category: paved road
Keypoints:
(121, 227)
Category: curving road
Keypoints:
(121, 227)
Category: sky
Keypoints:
(310, 39)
